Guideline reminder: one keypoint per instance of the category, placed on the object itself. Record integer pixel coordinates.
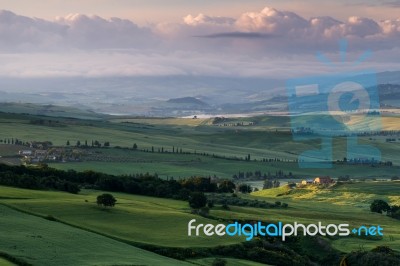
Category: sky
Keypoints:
(147, 11)
(229, 38)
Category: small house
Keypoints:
(323, 180)
(307, 182)
(25, 152)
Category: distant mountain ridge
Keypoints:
(49, 110)
(187, 100)
(162, 96)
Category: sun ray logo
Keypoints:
(337, 105)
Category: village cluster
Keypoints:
(38, 152)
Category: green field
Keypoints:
(147, 220)
(230, 262)
(345, 203)
(137, 219)
(42, 242)
(259, 141)
(85, 230)
(201, 166)
(4, 262)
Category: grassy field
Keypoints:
(224, 169)
(138, 219)
(345, 203)
(149, 220)
(230, 262)
(42, 242)
(359, 194)
(165, 121)
(194, 135)
(163, 222)
(4, 262)
(259, 141)
(178, 165)
(388, 121)
(49, 110)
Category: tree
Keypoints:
(97, 143)
(245, 188)
(226, 186)
(268, 183)
(135, 146)
(68, 143)
(219, 262)
(197, 200)
(379, 206)
(395, 212)
(70, 187)
(106, 200)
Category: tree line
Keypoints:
(33, 180)
(44, 177)
(85, 144)
(259, 175)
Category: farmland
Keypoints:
(135, 219)
(343, 203)
(138, 226)
(42, 242)
(260, 142)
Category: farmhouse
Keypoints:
(307, 182)
(323, 180)
(25, 152)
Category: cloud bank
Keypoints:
(295, 34)
(75, 31)
(267, 42)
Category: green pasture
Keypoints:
(136, 219)
(347, 203)
(195, 136)
(229, 262)
(163, 222)
(4, 262)
(42, 242)
(201, 137)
